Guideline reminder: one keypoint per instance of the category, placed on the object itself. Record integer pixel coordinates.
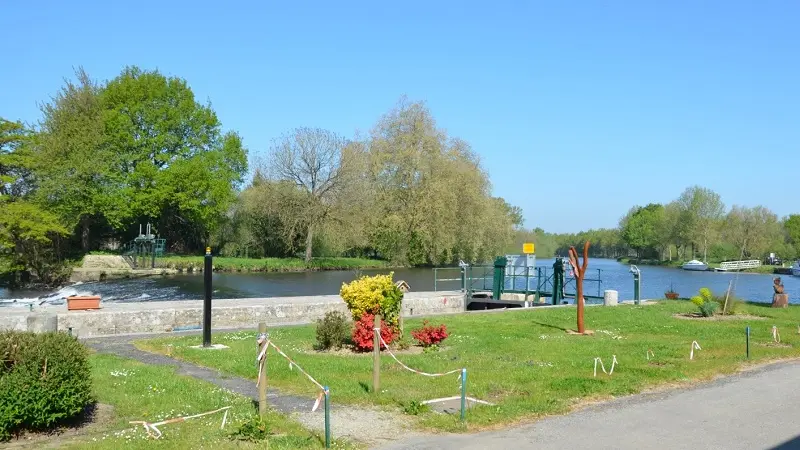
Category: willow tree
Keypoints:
(580, 272)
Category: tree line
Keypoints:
(695, 225)
(106, 157)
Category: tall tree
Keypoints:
(73, 178)
(313, 160)
(174, 165)
(701, 212)
(753, 230)
(792, 226)
(641, 228)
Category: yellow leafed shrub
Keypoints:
(373, 295)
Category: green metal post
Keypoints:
(327, 417)
(464, 279)
(463, 394)
(558, 280)
(435, 278)
(499, 276)
(637, 281)
(747, 339)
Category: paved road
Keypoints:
(755, 410)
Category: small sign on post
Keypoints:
(528, 248)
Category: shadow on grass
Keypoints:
(364, 386)
(547, 325)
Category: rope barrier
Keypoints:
(695, 345)
(262, 358)
(649, 353)
(152, 428)
(776, 335)
(614, 362)
(414, 370)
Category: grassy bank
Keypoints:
(677, 264)
(195, 263)
(130, 391)
(523, 361)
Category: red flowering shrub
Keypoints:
(430, 335)
(363, 333)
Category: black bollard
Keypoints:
(207, 301)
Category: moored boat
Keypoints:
(796, 269)
(695, 265)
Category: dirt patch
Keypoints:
(576, 333)
(365, 424)
(697, 316)
(94, 419)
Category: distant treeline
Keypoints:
(695, 225)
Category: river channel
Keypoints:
(614, 275)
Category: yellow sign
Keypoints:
(528, 248)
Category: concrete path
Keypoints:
(368, 425)
(754, 410)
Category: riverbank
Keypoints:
(523, 361)
(223, 264)
(763, 269)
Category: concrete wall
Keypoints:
(159, 317)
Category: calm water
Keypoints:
(655, 281)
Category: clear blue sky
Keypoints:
(639, 98)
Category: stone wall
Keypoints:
(159, 317)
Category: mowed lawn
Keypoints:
(523, 361)
(131, 391)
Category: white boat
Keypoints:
(695, 265)
(796, 269)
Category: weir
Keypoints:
(515, 280)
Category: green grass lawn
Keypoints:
(523, 361)
(137, 391)
(271, 264)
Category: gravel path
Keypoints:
(367, 425)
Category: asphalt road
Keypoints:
(759, 409)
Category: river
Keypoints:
(655, 281)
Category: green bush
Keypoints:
(45, 380)
(706, 302)
(333, 330)
(374, 295)
(253, 430)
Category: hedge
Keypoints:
(45, 380)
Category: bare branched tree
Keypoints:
(311, 158)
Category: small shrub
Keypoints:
(707, 309)
(333, 331)
(430, 335)
(254, 430)
(415, 408)
(403, 342)
(363, 333)
(373, 295)
(705, 302)
(45, 380)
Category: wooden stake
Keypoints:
(376, 351)
(262, 376)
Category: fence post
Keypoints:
(207, 300)
(327, 417)
(376, 350)
(747, 339)
(262, 375)
(463, 394)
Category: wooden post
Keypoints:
(262, 376)
(400, 318)
(376, 351)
